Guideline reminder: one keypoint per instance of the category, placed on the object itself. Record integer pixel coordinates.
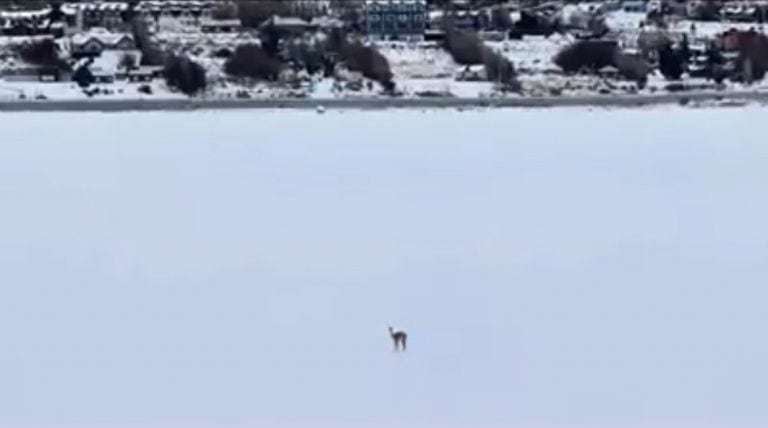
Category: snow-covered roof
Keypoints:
(174, 4)
(24, 14)
(220, 22)
(395, 2)
(102, 35)
(99, 6)
(326, 22)
(286, 21)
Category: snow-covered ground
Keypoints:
(559, 268)
(10, 91)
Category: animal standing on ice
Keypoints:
(399, 339)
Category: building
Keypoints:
(208, 25)
(115, 14)
(36, 22)
(633, 6)
(100, 14)
(98, 40)
(395, 19)
(289, 26)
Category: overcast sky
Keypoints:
(553, 268)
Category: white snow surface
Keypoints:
(553, 268)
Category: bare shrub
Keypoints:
(500, 69)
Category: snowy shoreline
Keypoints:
(117, 105)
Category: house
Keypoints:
(114, 14)
(36, 22)
(100, 14)
(633, 6)
(140, 75)
(326, 22)
(220, 25)
(286, 26)
(309, 9)
(395, 19)
(94, 42)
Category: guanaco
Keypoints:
(399, 339)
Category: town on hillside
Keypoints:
(245, 49)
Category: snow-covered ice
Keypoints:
(553, 268)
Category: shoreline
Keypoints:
(186, 104)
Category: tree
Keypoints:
(501, 70)
(83, 76)
(185, 75)
(465, 47)
(43, 53)
(586, 54)
(251, 61)
(369, 62)
(128, 62)
(225, 10)
(670, 63)
(253, 13)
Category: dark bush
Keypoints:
(253, 62)
(83, 76)
(222, 53)
(145, 89)
(43, 53)
(369, 62)
(185, 75)
(753, 54)
(592, 55)
(586, 54)
(128, 62)
(500, 69)
(534, 23)
(633, 67)
(270, 40)
(670, 63)
(152, 56)
(465, 47)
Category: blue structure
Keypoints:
(404, 20)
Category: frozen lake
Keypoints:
(553, 268)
